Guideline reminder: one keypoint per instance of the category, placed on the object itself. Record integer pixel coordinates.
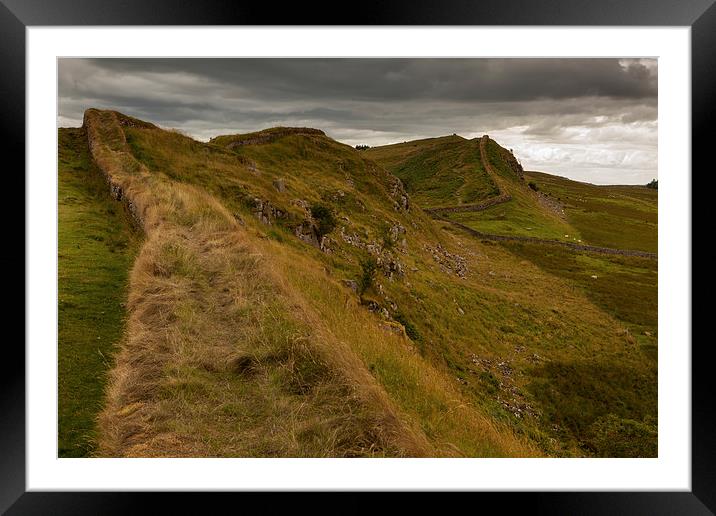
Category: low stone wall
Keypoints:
(533, 240)
(106, 125)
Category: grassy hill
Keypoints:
(438, 172)
(452, 172)
(291, 298)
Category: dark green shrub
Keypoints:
(324, 218)
(369, 267)
(410, 330)
(533, 185)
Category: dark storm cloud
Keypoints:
(391, 79)
(540, 107)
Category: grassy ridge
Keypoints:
(245, 338)
(453, 320)
(315, 170)
(220, 359)
(96, 246)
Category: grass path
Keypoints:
(96, 246)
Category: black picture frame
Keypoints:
(16, 15)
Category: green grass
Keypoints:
(625, 286)
(624, 217)
(518, 217)
(604, 404)
(96, 246)
(438, 172)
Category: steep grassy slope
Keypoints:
(96, 246)
(612, 216)
(292, 299)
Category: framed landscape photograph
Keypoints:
(359, 258)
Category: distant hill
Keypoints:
(452, 172)
(438, 172)
(293, 296)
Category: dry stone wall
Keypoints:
(570, 245)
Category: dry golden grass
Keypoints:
(217, 359)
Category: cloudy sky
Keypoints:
(592, 120)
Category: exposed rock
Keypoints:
(399, 195)
(338, 195)
(301, 204)
(279, 185)
(551, 204)
(394, 328)
(390, 265)
(251, 166)
(306, 231)
(351, 284)
(448, 262)
(396, 234)
(513, 163)
(266, 212)
(509, 395)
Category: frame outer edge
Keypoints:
(12, 143)
(371, 12)
(703, 121)
(12, 124)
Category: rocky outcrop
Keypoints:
(449, 263)
(266, 212)
(396, 236)
(507, 156)
(551, 204)
(279, 185)
(307, 232)
(399, 195)
(512, 162)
